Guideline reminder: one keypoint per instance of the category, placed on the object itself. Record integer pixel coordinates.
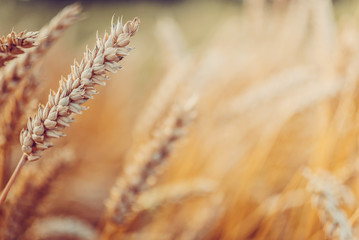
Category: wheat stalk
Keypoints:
(141, 172)
(19, 68)
(13, 44)
(58, 112)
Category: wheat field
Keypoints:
(213, 120)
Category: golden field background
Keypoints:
(275, 141)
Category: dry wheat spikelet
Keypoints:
(13, 44)
(76, 89)
(19, 68)
(30, 191)
(72, 93)
(140, 174)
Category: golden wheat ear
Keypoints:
(76, 89)
(72, 93)
(18, 69)
(140, 174)
(14, 44)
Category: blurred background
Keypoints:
(278, 85)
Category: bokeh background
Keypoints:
(278, 85)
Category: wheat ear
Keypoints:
(18, 69)
(30, 191)
(58, 112)
(14, 43)
(140, 174)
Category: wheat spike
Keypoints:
(141, 172)
(18, 69)
(72, 93)
(76, 90)
(30, 191)
(13, 44)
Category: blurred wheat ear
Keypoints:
(327, 193)
(14, 44)
(17, 70)
(140, 174)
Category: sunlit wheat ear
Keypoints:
(327, 194)
(73, 91)
(140, 174)
(61, 228)
(14, 44)
(76, 89)
(18, 69)
(33, 185)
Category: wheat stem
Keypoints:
(12, 179)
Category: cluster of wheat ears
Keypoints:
(266, 107)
